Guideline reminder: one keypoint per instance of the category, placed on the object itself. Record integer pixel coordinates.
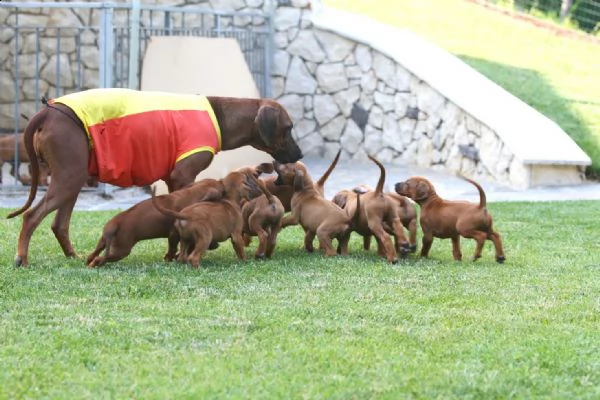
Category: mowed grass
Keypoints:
(305, 326)
(557, 75)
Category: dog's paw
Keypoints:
(259, 256)
(501, 259)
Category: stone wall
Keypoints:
(344, 94)
(341, 91)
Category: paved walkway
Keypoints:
(348, 174)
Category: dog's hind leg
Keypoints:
(495, 238)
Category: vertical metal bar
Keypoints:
(79, 69)
(106, 47)
(57, 53)
(134, 44)
(269, 54)
(167, 23)
(37, 68)
(17, 98)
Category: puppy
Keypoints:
(451, 219)
(317, 215)
(262, 217)
(282, 185)
(203, 223)
(407, 211)
(378, 215)
(143, 221)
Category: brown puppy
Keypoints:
(317, 215)
(204, 223)
(407, 211)
(451, 219)
(262, 217)
(143, 221)
(377, 212)
(65, 144)
(282, 184)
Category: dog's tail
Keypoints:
(263, 188)
(381, 181)
(482, 197)
(32, 127)
(166, 211)
(321, 182)
(359, 192)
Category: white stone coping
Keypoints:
(529, 135)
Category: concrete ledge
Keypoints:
(533, 138)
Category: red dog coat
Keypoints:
(136, 137)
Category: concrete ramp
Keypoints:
(207, 66)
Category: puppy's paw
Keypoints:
(501, 259)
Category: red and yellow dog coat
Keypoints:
(136, 137)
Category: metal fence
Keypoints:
(579, 14)
(54, 48)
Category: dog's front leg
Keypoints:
(186, 170)
(427, 241)
(456, 253)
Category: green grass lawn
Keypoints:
(559, 76)
(303, 326)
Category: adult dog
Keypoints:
(451, 219)
(74, 134)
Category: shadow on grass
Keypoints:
(532, 88)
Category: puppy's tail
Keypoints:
(321, 182)
(381, 181)
(34, 125)
(482, 197)
(165, 211)
(359, 192)
(263, 188)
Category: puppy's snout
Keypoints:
(399, 187)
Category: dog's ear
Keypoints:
(267, 121)
(340, 199)
(265, 168)
(421, 191)
(298, 181)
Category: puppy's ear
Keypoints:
(421, 191)
(265, 168)
(298, 181)
(340, 199)
(267, 121)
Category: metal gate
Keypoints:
(54, 48)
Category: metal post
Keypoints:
(269, 53)
(134, 44)
(106, 47)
